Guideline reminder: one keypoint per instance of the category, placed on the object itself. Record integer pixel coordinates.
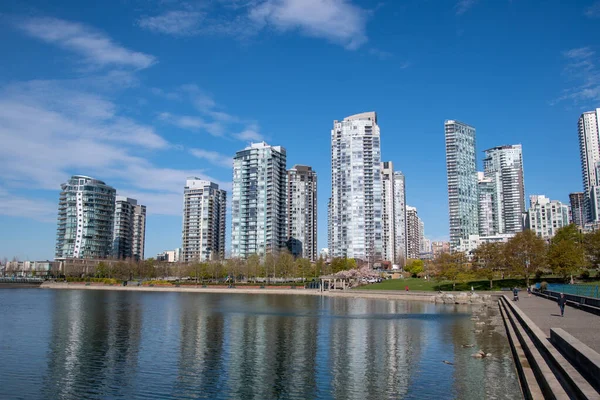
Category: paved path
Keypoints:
(546, 314)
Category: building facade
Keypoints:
(504, 166)
(259, 200)
(589, 152)
(129, 230)
(486, 187)
(413, 233)
(577, 208)
(438, 248)
(389, 211)
(400, 217)
(302, 212)
(86, 212)
(462, 181)
(355, 209)
(546, 216)
(203, 228)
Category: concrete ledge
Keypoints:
(569, 377)
(583, 303)
(586, 360)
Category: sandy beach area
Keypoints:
(389, 295)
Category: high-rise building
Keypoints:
(86, 212)
(504, 165)
(389, 211)
(462, 181)
(400, 217)
(203, 230)
(438, 248)
(546, 216)
(488, 224)
(302, 212)
(589, 150)
(355, 209)
(259, 200)
(129, 229)
(413, 233)
(577, 208)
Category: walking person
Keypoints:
(528, 291)
(515, 294)
(562, 301)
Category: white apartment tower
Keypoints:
(462, 181)
(86, 212)
(389, 211)
(413, 233)
(258, 209)
(302, 212)
(400, 217)
(546, 216)
(129, 231)
(488, 223)
(504, 165)
(355, 208)
(203, 233)
(589, 150)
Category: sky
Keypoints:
(144, 93)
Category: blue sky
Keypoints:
(144, 93)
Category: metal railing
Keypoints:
(577, 290)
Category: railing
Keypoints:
(20, 280)
(577, 290)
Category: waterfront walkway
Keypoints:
(545, 314)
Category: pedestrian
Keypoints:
(515, 294)
(528, 291)
(562, 301)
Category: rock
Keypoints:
(477, 331)
(480, 323)
(488, 355)
(468, 345)
(447, 362)
(477, 355)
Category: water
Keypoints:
(80, 344)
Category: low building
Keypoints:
(474, 241)
(546, 216)
(172, 256)
(31, 268)
(438, 248)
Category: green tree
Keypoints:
(566, 253)
(414, 267)
(591, 243)
(489, 258)
(253, 263)
(452, 267)
(525, 253)
(319, 267)
(101, 270)
(285, 264)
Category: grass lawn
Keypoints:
(399, 284)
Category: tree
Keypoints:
(488, 258)
(451, 267)
(591, 243)
(285, 263)
(253, 263)
(566, 254)
(525, 252)
(414, 267)
(319, 267)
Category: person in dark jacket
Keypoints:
(562, 301)
(515, 294)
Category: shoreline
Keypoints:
(430, 297)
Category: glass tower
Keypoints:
(462, 181)
(86, 211)
(129, 229)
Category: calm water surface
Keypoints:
(80, 344)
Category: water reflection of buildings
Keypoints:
(92, 344)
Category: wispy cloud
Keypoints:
(193, 123)
(338, 21)
(176, 23)
(462, 6)
(49, 131)
(18, 206)
(96, 47)
(250, 134)
(593, 11)
(213, 157)
(381, 54)
(583, 74)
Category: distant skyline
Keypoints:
(143, 94)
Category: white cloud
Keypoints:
(17, 206)
(193, 123)
(213, 157)
(249, 134)
(464, 5)
(338, 21)
(583, 73)
(96, 47)
(593, 11)
(177, 23)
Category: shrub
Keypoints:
(544, 285)
(585, 274)
(538, 274)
